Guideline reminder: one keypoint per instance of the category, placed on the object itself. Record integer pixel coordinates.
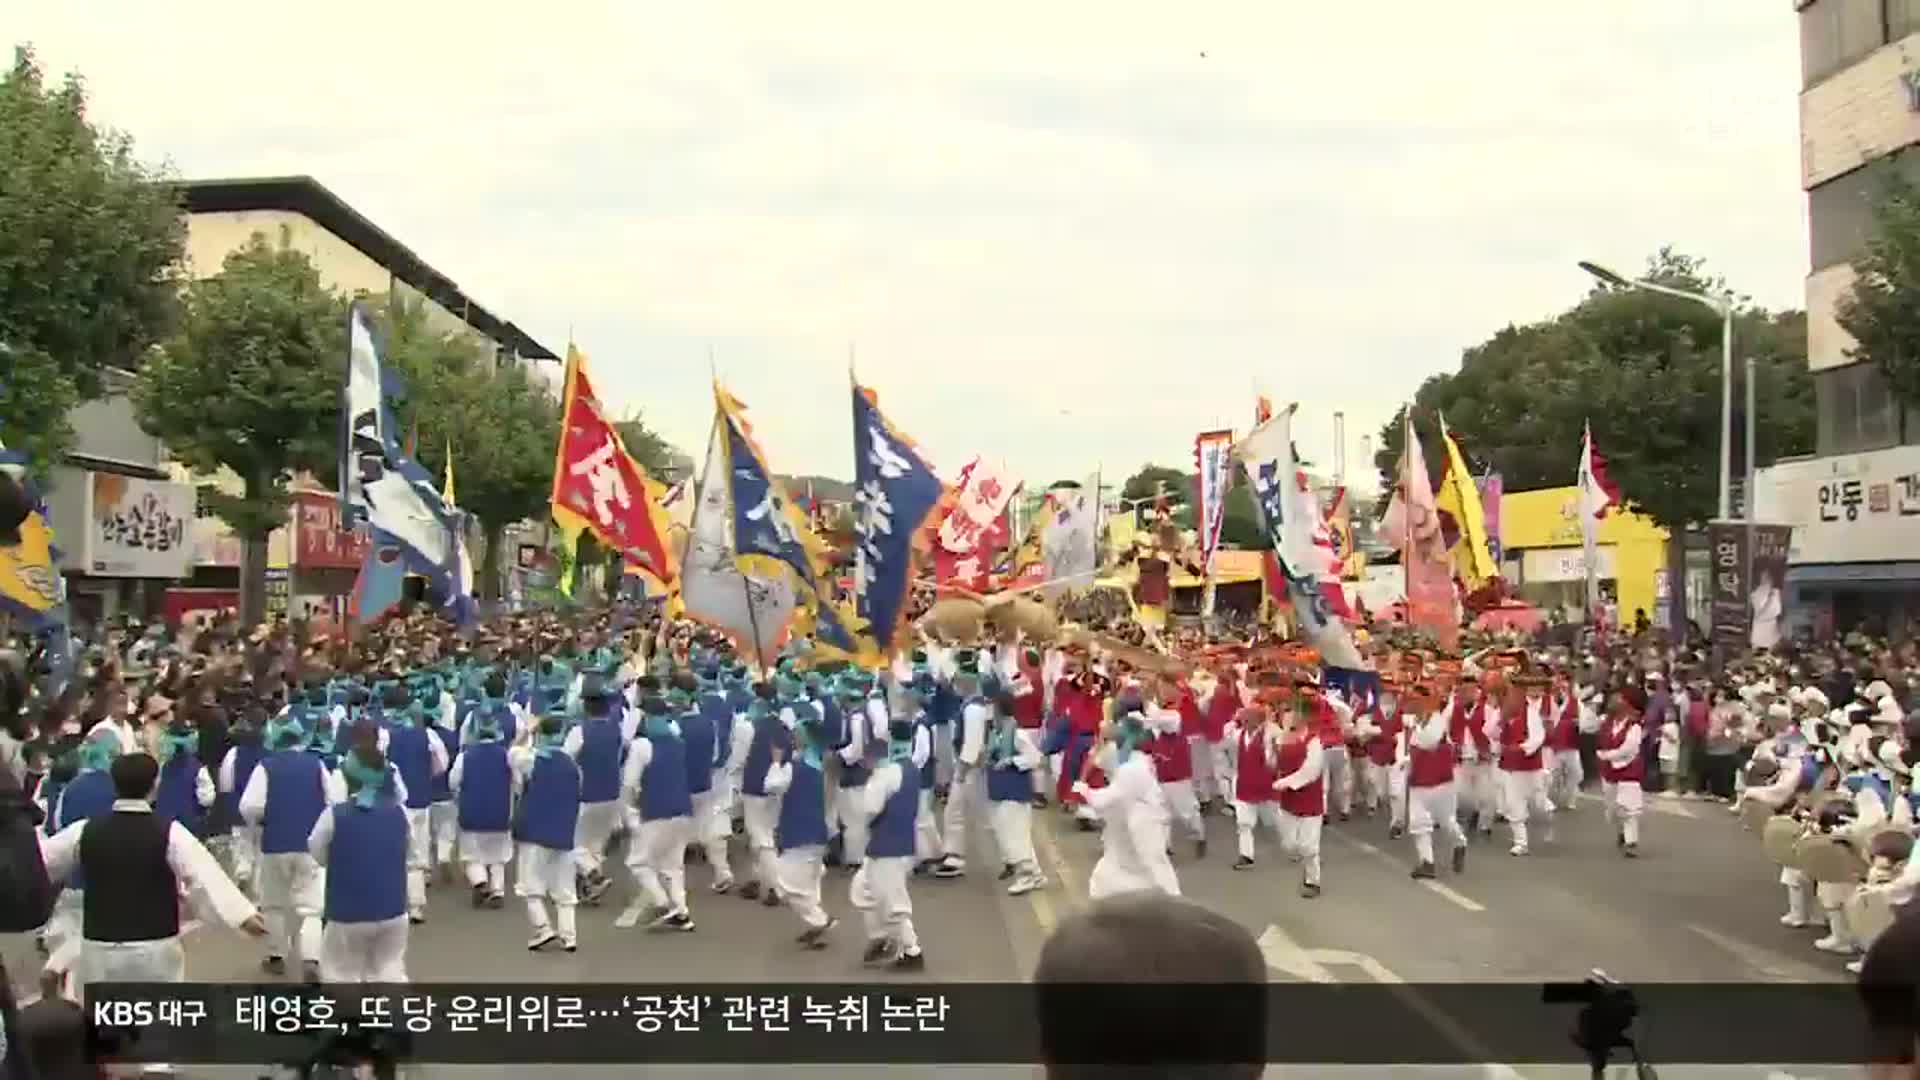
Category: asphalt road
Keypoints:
(1700, 905)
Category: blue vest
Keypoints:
(803, 810)
(753, 775)
(412, 754)
(178, 797)
(600, 748)
(739, 700)
(246, 758)
(550, 807)
(943, 705)
(891, 835)
(923, 723)
(696, 734)
(89, 796)
(663, 783)
(367, 863)
(442, 788)
(1867, 781)
(857, 775)
(1809, 772)
(486, 788)
(719, 716)
(1007, 782)
(296, 797)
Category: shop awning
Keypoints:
(1864, 573)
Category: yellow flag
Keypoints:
(446, 487)
(1459, 498)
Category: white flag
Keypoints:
(712, 588)
(1067, 542)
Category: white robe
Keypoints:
(1133, 843)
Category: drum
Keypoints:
(1755, 815)
(956, 620)
(1031, 618)
(1869, 911)
(1828, 860)
(1779, 835)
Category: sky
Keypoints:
(1066, 236)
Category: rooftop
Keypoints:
(308, 197)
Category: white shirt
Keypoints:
(186, 855)
(1309, 770)
(973, 731)
(879, 788)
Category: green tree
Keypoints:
(1151, 480)
(1644, 370)
(250, 383)
(90, 244)
(654, 453)
(1882, 313)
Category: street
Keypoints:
(1700, 905)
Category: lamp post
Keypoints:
(1723, 305)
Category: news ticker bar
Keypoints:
(967, 1023)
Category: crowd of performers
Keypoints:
(313, 795)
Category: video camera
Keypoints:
(1608, 1009)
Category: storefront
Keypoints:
(1854, 561)
(122, 540)
(326, 558)
(1544, 557)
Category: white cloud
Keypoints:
(1006, 210)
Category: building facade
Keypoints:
(1853, 557)
(132, 530)
(1544, 558)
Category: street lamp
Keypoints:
(1723, 305)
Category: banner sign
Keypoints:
(1730, 588)
(979, 500)
(319, 540)
(1767, 592)
(1492, 487)
(138, 528)
(1213, 462)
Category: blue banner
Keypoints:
(766, 528)
(895, 490)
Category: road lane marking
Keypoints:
(1771, 964)
(1450, 895)
(1285, 955)
(1049, 848)
(1659, 804)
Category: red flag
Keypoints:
(598, 486)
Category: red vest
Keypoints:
(1563, 733)
(1192, 721)
(1028, 707)
(1172, 757)
(1221, 708)
(1513, 737)
(1253, 777)
(1307, 801)
(1469, 726)
(1380, 747)
(1326, 724)
(1612, 737)
(1084, 708)
(1429, 768)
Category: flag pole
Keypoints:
(721, 416)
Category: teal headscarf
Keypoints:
(661, 726)
(368, 782)
(97, 753)
(1129, 735)
(284, 732)
(174, 740)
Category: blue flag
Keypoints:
(895, 490)
(767, 527)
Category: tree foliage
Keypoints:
(1644, 370)
(90, 245)
(1882, 313)
(654, 453)
(1240, 519)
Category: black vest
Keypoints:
(131, 892)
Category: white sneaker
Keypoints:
(1854, 966)
(1831, 944)
(1517, 849)
(1025, 884)
(1792, 921)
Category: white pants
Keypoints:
(1184, 806)
(591, 833)
(444, 818)
(719, 825)
(1339, 773)
(292, 889)
(1624, 801)
(762, 813)
(965, 798)
(1300, 840)
(1524, 794)
(1246, 816)
(368, 952)
(658, 860)
(1205, 783)
(132, 961)
(850, 811)
(1477, 792)
(1800, 893)
(1566, 777)
(63, 932)
(1012, 822)
(799, 871)
(542, 873)
(879, 890)
(945, 757)
(244, 850)
(1430, 808)
(926, 828)
(487, 855)
(706, 811)
(419, 857)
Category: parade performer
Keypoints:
(546, 822)
(1379, 729)
(1623, 767)
(1299, 767)
(597, 744)
(1172, 751)
(419, 757)
(966, 796)
(482, 782)
(1220, 695)
(244, 751)
(285, 798)
(443, 815)
(879, 889)
(795, 782)
(136, 863)
(1523, 778)
(186, 789)
(655, 780)
(1011, 757)
(1080, 703)
(1432, 798)
(769, 724)
(1333, 725)
(700, 737)
(1133, 813)
(362, 844)
(1473, 718)
(862, 723)
(1254, 735)
(89, 795)
(926, 824)
(1563, 746)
